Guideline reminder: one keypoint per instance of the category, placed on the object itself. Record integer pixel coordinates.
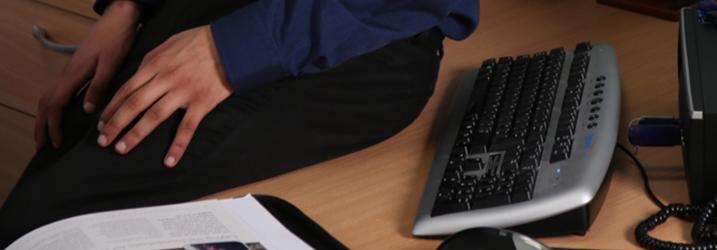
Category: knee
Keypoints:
(25, 210)
(13, 224)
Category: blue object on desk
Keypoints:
(707, 11)
(655, 131)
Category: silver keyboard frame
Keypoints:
(559, 187)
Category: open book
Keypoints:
(241, 224)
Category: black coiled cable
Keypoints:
(703, 237)
(704, 234)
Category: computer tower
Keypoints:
(697, 67)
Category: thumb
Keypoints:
(98, 86)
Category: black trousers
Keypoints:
(273, 129)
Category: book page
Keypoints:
(213, 224)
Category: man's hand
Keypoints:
(184, 72)
(97, 59)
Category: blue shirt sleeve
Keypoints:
(271, 39)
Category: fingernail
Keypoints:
(169, 161)
(121, 147)
(100, 124)
(102, 140)
(89, 107)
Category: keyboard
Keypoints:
(527, 138)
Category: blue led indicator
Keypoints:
(588, 141)
(557, 170)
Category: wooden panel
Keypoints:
(26, 68)
(665, 9)
(16, 147)
(82, 7)
(368, 199)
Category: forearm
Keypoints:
(143, 8)
(125, 9)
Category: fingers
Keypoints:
(54, 105)
(181, 69)
(54, 124)
(149, 121)
(139, 101)
(138, 80)
(98, 85)
(185, 132)
(41, 124)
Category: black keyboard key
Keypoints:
(509, 169)
(520, 195)
(455, 167)
(482, 190)
(479, 143)
(454, 174)
(445, 197)
(480, 90)
(494, 200)
(534, 139)
(525, 177)
(450, 207)
(559, 153)
(583, 47)
(507, 144)
(473, 166)
(464, 193)
(557, 52)
(531, 156)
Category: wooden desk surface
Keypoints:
(368, 199)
